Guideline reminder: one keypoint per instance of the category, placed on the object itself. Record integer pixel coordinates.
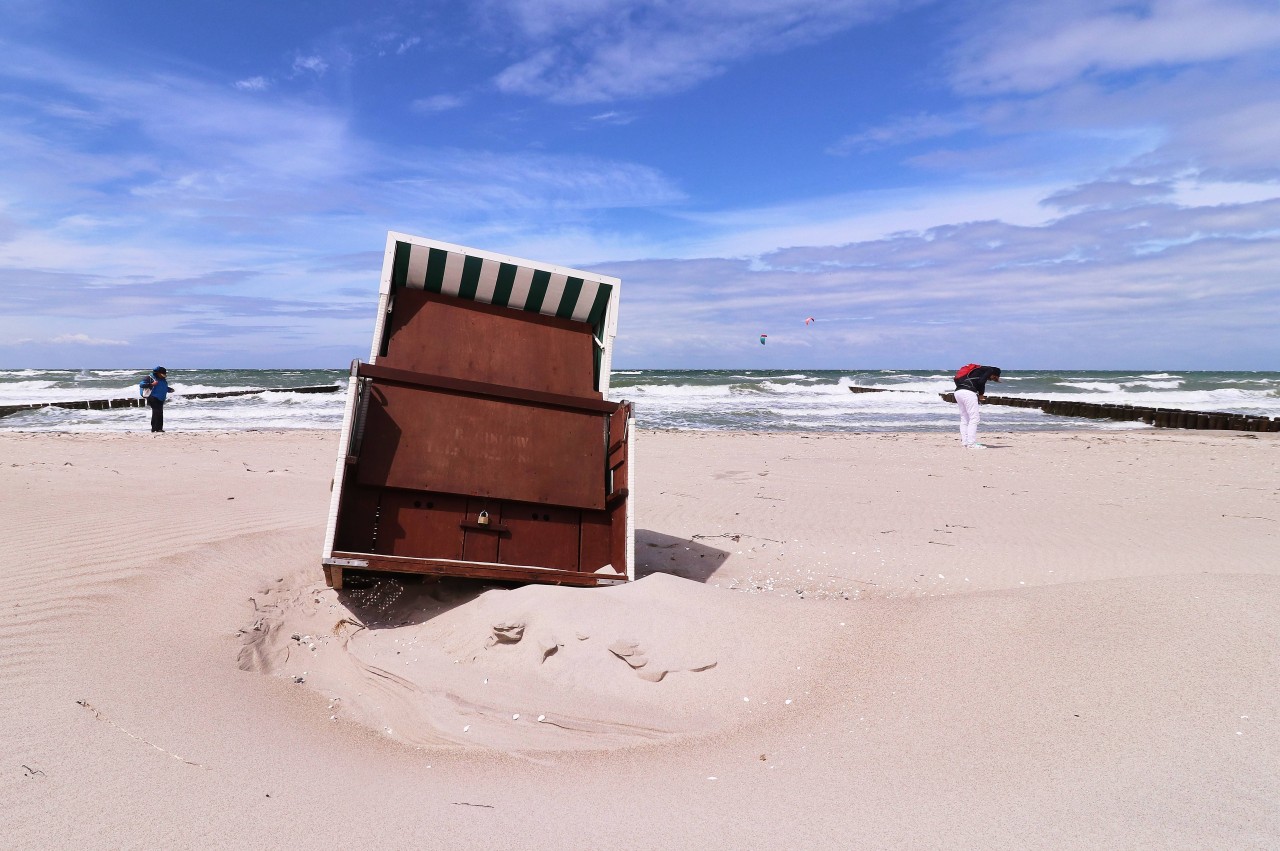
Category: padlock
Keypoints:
(483, 519)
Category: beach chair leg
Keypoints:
(333, 576)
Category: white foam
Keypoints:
(1096, 386)
(741, 400)
(1155, 385)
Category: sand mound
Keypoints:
(1112, 683)
(530, 668)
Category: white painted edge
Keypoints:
(631, 497)
(379, 326)
(342, 562)
(340, 468)
(389, 263)
(610, 331)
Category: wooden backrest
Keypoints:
(457, 338)
(434, 440)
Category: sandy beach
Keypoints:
(850, 641)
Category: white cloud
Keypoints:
(85, 340)
(469, 182)
(902, 131)
(314, 64)
(1209, 193)
(614, 117)
(1082, 290)
(839, 219)
(437, 103)
(215, 179)
(594, 51)
(1108, 193)
(1219, 121)
(1036, 46)
(221, 197)
(253, 84)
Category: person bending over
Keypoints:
(971, 389)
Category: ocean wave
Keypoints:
(741, 400)
(866, 378)
(674, 390)
(1155, 385)
(36, 392)
(186, 389)
(805, 390)
(1098, 386)
(1222, 398)
(927, 386)
(1160, 381)
(10, 388)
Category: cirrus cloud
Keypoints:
(1036, 46)
(596, 51)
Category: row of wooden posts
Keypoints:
(139, 402)
(1159, 417)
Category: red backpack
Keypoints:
(965, 370)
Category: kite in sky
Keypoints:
(763, 337)
(810, 321)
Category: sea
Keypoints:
(722, 399)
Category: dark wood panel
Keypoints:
(541, 535)
(421, 525)
(620, 492)
(618, 425)
(357, 518)
(457, 338)
(386, 374)
(596, 545)
(618, 537)
(480, 543)
(431, 440)
(448, 567)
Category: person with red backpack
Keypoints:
(971, 390)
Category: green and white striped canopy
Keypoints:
(501, 283)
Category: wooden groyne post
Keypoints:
(1158, 417)
(139, 402)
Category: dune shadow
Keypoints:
(390, 600)
(684, 557)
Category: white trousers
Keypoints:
(969, 416)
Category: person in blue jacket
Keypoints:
(155, 389)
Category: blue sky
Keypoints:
(1033, 184)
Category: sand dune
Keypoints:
(533, 668)
(840, 641)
